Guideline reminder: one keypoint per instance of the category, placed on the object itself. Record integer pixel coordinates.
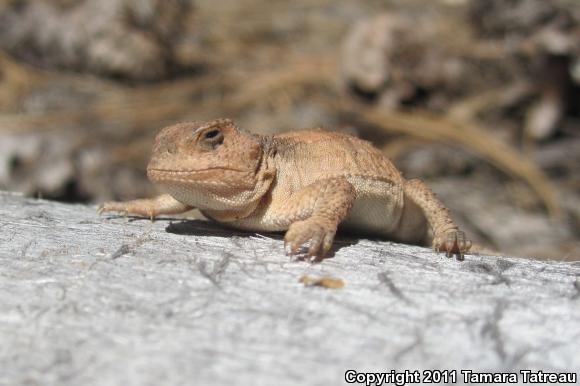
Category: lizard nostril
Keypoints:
(171, 148)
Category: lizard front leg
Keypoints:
(446, 235)
(313, 214)
(149, 207)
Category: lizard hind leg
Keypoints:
(446, 235)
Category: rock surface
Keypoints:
(118, 38)
(107, 301)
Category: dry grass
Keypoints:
(159, 104)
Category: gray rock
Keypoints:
(110, 301)
(129, 39)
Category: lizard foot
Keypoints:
(308, 239)
(126, 208)
(452, 243)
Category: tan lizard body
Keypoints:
(304, 182)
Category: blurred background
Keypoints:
(477, 97)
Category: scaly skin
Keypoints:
(305, 182)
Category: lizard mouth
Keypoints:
(171, 174)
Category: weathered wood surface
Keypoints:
(89, 300)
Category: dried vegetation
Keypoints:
(447, 89)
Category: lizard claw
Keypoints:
(455, 243)
(308, 240)
(113, 206)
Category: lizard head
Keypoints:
(209, 165)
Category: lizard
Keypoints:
(306, 182)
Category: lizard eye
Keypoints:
(211, 134)
(211, 139)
